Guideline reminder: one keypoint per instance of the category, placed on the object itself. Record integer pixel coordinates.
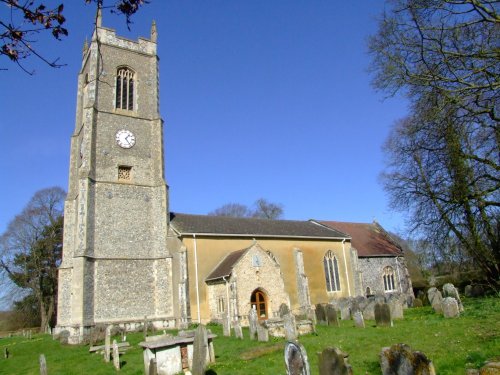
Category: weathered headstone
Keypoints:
(345, 311)
(331, 316)
(238, 332)
(369, 310)
(333, 361)
(107, 344)
(359, 321)
(226, 328)
(290, 327)
(6, 353)
(200, 351)
(450, 308)
(320, 314)
(262, 333)
(399, 359)
(396, 308)
(43, 365)
(383, 315)
(296, 360)
(283, 310)
(417, 302)
(252, 324)
(116, 355)
(449, 290)
(153, 368)
(435, 299)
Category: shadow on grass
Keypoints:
(210, 372)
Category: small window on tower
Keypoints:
(124, 173)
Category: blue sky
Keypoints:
(260, 99)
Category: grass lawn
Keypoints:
(452, 344)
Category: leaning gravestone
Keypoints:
(200, 351)
(252, 323)
(321, 314)
(262, 333)
(331, 316)
(383, 315)
(449, 290)
(116, 355)
(399, 359)
(226, 328)
(435, 299)
(333, 361)
(238, 332)
(43, 365)
(450, 308)
(296, 360)
(290, 327)
(359, 321)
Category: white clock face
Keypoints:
(125, 138)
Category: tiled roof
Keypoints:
(367, 239)
(225, 267)
(233, 226)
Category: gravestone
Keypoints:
(417, 302)
(283, 310)
(200, 351)
(290, 327)
(450, 308)
(435, 299)
(153, 368)
(359, 321)
(6, 353)
(333, 361)
(383, 315)
(345, 311)
(396, 308)
(449, 290)
(43, 365)
(252, 324)
(296, 361)
(369, 310)
(226, 328)
(321, 314)
(399, 359)
(238, 332)
(107, 344)
(331, 316)
(116, 355)
(262, 333)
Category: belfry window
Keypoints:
(388, 276)
(331, 266)
(125, 89)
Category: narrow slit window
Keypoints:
(388, 276)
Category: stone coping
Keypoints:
(171, 341)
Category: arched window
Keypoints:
(388, 277)
(125, 89)
(331, 272)
(258, 301)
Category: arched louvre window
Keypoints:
(331, 272)
(388, 277)
(125, 89)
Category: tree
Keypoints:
(30, 252)
(26, 19)
(262, 209)
(444, 158)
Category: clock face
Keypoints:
(125, 138)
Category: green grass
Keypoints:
(452, 345)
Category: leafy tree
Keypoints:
(444, 158)
(26, 19)
(30, 252)
(262, 209)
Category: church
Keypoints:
(127, 257)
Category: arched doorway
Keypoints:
(259, 303)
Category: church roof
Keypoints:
(368, 239)
(186, 224)
(224, 268)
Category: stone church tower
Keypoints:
(116, 266)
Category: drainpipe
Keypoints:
(227, 296)
(196, 279)
(345, 266)
(399, 276)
